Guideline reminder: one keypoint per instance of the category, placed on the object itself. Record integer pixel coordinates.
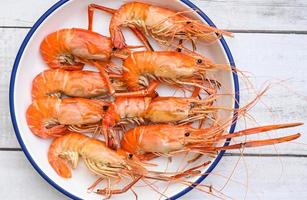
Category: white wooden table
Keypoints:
(270, 42)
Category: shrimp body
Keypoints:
(169, 139)
(65, 151)
(98, 158)
(154, 138)
(161, 23)
(170, 109)
(142, 110)
(169, 67)
(48, 117)
(71, 48)
(157, 110)
(86, 84)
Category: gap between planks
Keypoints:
(226, 154)
(230, 30)
(234, 14)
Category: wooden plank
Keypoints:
(21, 13)
(279, 15)
(279, 61)
(20, 180)
(267, 179)
(10, 41)
(258, 178)
(254, 15)
(264, 55)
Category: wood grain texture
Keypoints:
(20, 180)
(258, 178)
(264, 56)
(10, 41)
(280, 58)
(277, 60)
(252, 15)
(268, 178)
(21, 13)
(275, 15)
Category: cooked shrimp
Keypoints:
(73, 145)
(162, 24)
(102, 161)
(141, 110)
(168, 140)
(48, 117)
(71, 49)
(169, 67)
(86, 84)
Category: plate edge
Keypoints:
(12, 108)
(11, 98)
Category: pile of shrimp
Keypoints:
(114, 118)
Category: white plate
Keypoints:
(28, 64)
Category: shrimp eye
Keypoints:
(179, 49)
(199, 61)
(130, 155)
(188, 22)
(187, 134)
(114, 49)
(105, 108)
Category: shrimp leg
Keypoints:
(149, 91)
(90, 12)
(105, 76)
(119, 191)
(191, 171)
(141, 37)
(136, 31)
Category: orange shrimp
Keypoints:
(102, 161)
(162, 109)
(167, 140)
(162, 24)
(86, 84)
(48, 117)
(170, 67)
(141, 110)
(73, 145)
(158, 110)
(71, 49)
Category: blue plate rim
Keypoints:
(12, 107)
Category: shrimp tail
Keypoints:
(36, 116)
(58, 164)
(52, 52)
(61, 167)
